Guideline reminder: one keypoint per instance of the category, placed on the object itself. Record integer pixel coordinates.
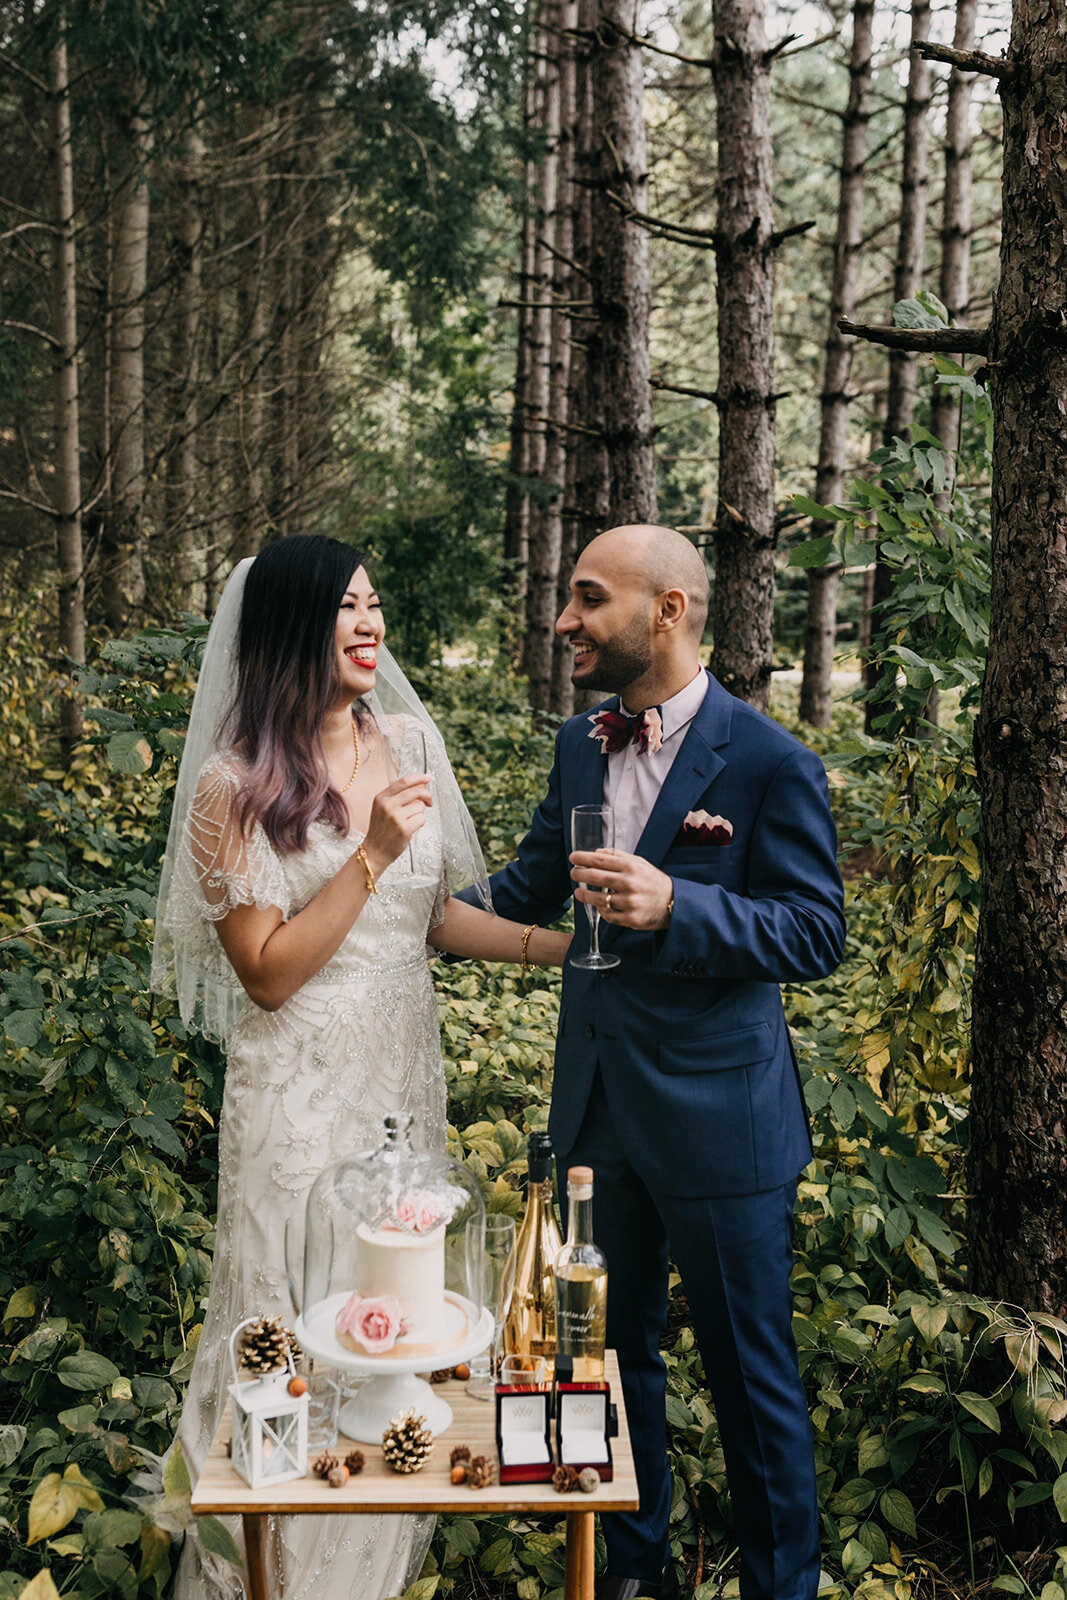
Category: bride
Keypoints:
(317, 832)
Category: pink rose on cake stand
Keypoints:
(376, 1322)
(419, 1212)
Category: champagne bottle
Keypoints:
(530, 1329)
(581, 1285)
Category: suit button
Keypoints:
(589, 1031)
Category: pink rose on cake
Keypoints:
(419, 1212)
(373, 1322)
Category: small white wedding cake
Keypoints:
(399, 1307)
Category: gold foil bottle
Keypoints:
(581, 1285)
(530, 1329)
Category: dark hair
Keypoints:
(286, 681)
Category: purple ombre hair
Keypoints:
(286, 681)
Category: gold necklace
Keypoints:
(355, 769)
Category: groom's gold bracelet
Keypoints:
(524, 965)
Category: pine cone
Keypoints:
(459, 1452)
(406, 1443)
(565, 1480)
(441, 1375)
(323, 1465)
(264, 1347)
(354, 1461)
(480, 1472)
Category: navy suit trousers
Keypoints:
(734, 1254)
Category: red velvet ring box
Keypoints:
(523, 1437)
(584, 1424)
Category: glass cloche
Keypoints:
(394, 1267)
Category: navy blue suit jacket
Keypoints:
(689, 1030)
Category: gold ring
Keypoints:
(607, 899)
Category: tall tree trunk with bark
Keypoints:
(618, 345)
(547, 396)
(68, 493)
(592, 467)
(124, 576)
(1017, 1223)
(744, 251)
(517, 494)
(956, 226)
(820, 634)
(189, 297)
(907, 281)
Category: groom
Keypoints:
(675, 1078)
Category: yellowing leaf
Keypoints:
(40, 1588)
(54, 1504)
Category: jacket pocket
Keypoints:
(744, 1047)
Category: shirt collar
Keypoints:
(681, 708)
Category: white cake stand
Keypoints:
(391, 1385)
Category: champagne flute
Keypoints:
(499, 1285)
(407, 752)
(593, 828)
(324, 1383)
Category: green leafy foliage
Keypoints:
(938, 1418)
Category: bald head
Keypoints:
(662, 559)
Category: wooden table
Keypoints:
(220, 1491)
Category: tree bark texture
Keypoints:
(744, 522)
(592, 470)
(907, 281)
(548, 387)
(189, 297)
(124, 577)
(618, 353)
(956, 223)
(1017, 1223)
(820, 634)
(68, 493)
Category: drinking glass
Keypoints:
(324, 1383)
(499, 1284)
(526, 1372)
(593, 828)
(407, 752)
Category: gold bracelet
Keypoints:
(368, 875)
(524, 965)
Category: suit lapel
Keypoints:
(697, 764)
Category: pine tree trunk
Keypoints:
(592, 468)
(67, 493)
(189, 297)
(618, 347)
(954, 286)
(254, 301)
(1017, 1223)
(517, 496)
(744, 521)
(124, 576)
(547, 397)
(820, 636)
(907, 281)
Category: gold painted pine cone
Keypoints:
(264, 1347)
(406, 1443)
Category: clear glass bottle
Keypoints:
(530, 1329)
(581, 1285)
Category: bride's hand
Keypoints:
(398, 813)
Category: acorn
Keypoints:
(462, 1372)
(588, 1480)
(337, 1477)
(297, 1386)
(458, 1473)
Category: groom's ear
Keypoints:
(670, 610)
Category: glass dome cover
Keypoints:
(394, 1252)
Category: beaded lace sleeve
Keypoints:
(216, 867)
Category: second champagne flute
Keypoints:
(499, 1285)
(593, 828)
(407, 751)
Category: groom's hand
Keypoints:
(628, 891)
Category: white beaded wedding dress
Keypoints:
(305, 1085)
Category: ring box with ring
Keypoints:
(523, 1433)
(586, 1420)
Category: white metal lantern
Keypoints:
(270, 1425)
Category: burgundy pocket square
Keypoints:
(700, 829)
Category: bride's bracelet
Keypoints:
(524, 964)
(368, 875)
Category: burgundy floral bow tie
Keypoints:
(616, 730)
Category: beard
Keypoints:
(621, 660)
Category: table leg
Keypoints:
(581, 1542)
(255, 1529)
